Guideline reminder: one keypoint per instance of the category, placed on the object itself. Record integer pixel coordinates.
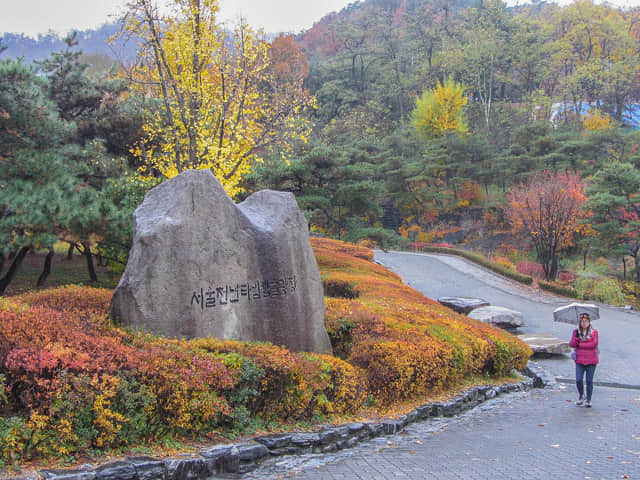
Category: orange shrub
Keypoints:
(367, 243)
(84, 301)
(72, 382)
(405, 343)
(345, 390)
(187, 383)
(85, 385)
(397, 370)
(351, 250)
(295, 385)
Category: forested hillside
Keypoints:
(506, 135)
(435, 107)
(423, 118)
(370, 63)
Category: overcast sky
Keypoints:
(39, 16)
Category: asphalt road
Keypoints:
(444, 275)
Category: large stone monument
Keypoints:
(201, 265)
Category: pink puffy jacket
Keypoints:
(586, 350)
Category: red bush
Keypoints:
(566, 277)
(532, 269)
(441, 245)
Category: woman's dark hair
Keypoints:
(587, 332)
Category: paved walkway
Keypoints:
(534, 435)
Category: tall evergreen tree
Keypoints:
(33, 179)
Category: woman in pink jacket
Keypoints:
(585, 341)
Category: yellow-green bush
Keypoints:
(600, 289)
(608, 290)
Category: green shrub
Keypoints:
(337, 288)
(584, 286)
(340, 335)
(15, 438)
(559, 289)
(607, 290)
(242, 396)
(135, 402)
(3, 389)
(382, 237)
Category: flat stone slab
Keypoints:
(463, 304)
(545, 344)
(499, 316)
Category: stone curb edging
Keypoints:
(244, 457)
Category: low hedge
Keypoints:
(477, 258)
(559, 289)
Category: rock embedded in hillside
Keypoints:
(499, 316)
(545, 345)
(201, 265)
(462, 304)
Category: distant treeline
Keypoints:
(91, 42)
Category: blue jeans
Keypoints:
(590, 370)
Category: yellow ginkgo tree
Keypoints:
(596, 121)
(440, 110)
(215, 107)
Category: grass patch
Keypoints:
(63, 272)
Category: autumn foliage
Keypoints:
(71, 383)
(440, 110)
(548, 210)
(406, 344)
(223, 96)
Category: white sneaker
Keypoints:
(587, 403)
(580, 401)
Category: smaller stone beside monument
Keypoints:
(544, 344)
(462, 304)
(499, 316)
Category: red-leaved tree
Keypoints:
(548, 209)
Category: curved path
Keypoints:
(534, 435)
(446, 275)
